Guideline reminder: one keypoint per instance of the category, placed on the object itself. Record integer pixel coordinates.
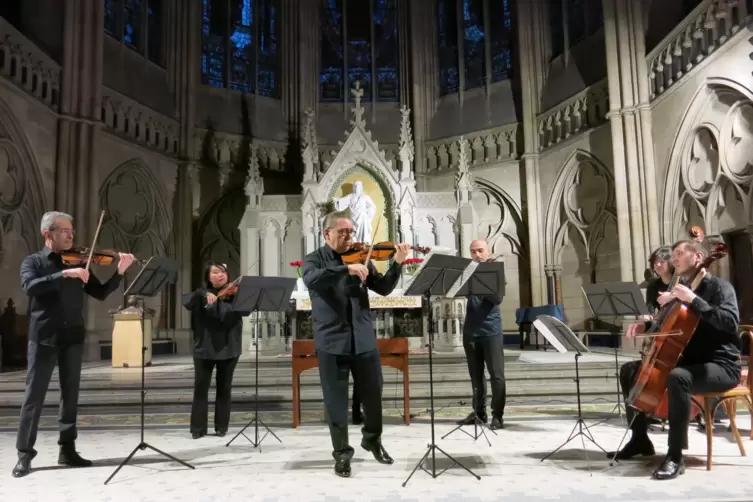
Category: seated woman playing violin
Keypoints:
(708, 362)
(217, 337)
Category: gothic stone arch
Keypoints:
(582, 202)
(709, 179)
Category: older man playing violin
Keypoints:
(56, 335)
(344, 335)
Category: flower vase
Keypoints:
(299, 285)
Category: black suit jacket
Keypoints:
(340, 311)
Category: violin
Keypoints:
(382, 251)
(228, 291)
(78, 256)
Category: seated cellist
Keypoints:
(660, 262)
(708, 363)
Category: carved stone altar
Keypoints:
(277, 230)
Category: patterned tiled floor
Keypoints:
(300, 468)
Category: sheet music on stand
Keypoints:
(559, 335)
(435, 251)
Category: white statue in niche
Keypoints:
(362, 210)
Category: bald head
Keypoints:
(479, 250)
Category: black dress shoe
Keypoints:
(471, 419)
(497, 423)
(380, 454)
(669, 469)
(197, 434)
(70, 457)
(22, 468)
(342, 468)
(643, 447)
(220, 433)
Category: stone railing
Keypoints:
(484, 147)
(579, 113)
(705, 29)
(28, 67)
(225, 148)
(124, 117)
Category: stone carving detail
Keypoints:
(710, 179)
(463, 180)
(135, 205)
(486, 147)
(500, 219)
(581, 206)
(406, 145)
(28, 67)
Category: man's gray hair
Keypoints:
(331, 219)
(51, 217)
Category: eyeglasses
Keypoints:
(65, 231)
(345, 232)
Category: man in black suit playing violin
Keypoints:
(344, 335)
(56, 335)
(709, 361)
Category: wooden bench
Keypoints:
(393, 352)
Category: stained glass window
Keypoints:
(360, 36)
(447, 30)
(501, 39)
(239, 45)
(137, 23)
(386, 50)
(331, 78)
(132, 28)
(555, 27)
(474, 43)
(479, 37)
(154, 22)
(111, 18)
(584, 18)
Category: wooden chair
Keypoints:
(729, 399)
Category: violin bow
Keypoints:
(94, 242)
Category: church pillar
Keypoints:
(531, 78)
(423, 73)
(185, 51)
(76, 172)
(626, 218)
(557, 271)
(77, 177)
(632, 142)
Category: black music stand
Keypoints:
(437, 275)
(154, 275)
(615, 299)
(261, 294)
(488, 280)
(564, 340)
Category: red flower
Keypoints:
(413, 261)
(297, 264)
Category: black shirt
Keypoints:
(716, 338)
(654, 289)
(56, 304)
(217, 329)
(340, 310)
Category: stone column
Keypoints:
(551, 293)
(77, 174)
(557, 272)
(625, 223)
(423, 73)
(531, 78)
(632, 141)
(185, 45)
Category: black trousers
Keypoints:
(334, 373)
(489, 352)
(41, 362)
(202, 379)
(683, 382)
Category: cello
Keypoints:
(649, 393)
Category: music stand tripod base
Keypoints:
(438, 274)
(156, 273)
(479, 429)
(261, 294)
